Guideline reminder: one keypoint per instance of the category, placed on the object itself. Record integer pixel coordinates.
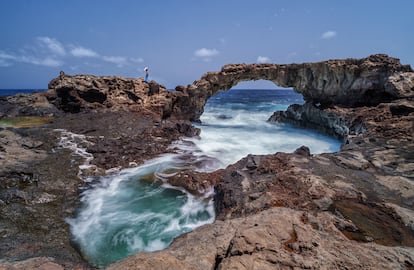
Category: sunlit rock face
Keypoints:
(88, 92)
(349, 82)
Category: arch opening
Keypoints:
(265, 92)
(261, 95)
(235, 124)
(258, 84)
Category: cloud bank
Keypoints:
(49, 52)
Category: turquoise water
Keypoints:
(136, 210)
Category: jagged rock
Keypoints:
(327, 121)
(303, 151)
(40, 180)
(401, 85)
(365, 81)
(350, 209)
(87, 92)
(347, 82)
(35, 104)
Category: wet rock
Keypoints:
(311, 117)
(40, 179)
(335, 201)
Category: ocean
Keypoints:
(11, 92)
(137, 210)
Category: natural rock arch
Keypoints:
(347, 82)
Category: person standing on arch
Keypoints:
(146, 74)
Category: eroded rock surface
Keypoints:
(346, 81)
(347, 210)
(277, 238)
(41, 179)
(351, 209)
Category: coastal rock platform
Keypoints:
(353, 209)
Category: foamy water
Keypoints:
(130, 211)
(232, 130)
(137, 210)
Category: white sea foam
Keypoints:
(129, 214)
(241, 132)
(77, 143)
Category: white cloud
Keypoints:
(49, 52)
(6, 56)
(50, 62)
(137, 60)
(46, 52)
(263, 59)
(83, 52)
(6, 59)
(329, 34)
(120, 61)
(53, 45)
(204, 52)
(47, 61)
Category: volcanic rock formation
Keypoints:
(349, 209)
(348, 82)
(87, 92)
(345, 210)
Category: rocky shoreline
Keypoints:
(40, 185)
(347, 210)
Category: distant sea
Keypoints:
(12, 92)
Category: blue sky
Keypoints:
(181, 40)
